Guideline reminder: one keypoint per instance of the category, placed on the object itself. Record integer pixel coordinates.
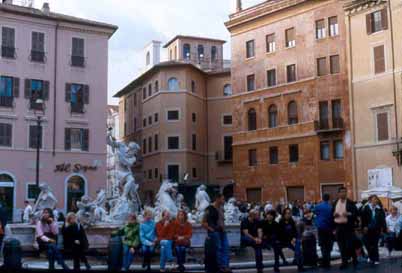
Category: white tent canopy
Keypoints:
(387, 192)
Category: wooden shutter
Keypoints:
(384, 19)
(8, 37)
(86, 94)
(7, 134)
(35, 41)
(369, 23)
(67, 139)
(16, 87)
(45, 90)
(382, 126)
(379, 60)
(85, 139)
(27, 89)
(68, 92)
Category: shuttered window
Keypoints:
(77, 54)
(321, 66)
(34, 134)
(38, 47)
(290, 37)
(5, 135)
(333, 26)
(320, 31)
(270, 39)
(292, 113)
(382, 127)
(291, 73)
(252, 157)
(271, 77)
(9, 89)
(250, 82)
(8, 42)
(77, 95)
(377, 21)
(250, 50)
(76, 139)
(379, 59)
(34, 90)
(272, 116)
(334, 64)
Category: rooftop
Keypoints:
(37, 13)
(194, 38)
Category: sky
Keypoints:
(141, 21)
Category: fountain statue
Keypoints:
(202, 201)
(129, 201)
(165, 199)
(86, 211)
(232, 212)
(46, 199)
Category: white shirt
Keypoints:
(27, 214)
(394, 224)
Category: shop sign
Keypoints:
(76, 168)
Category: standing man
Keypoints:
(214, 223)
(26, 218)
(345, 215)
(324, 223)
(373, 224)
(251, 235)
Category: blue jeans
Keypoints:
(247, 241)
(297, 249)
(53, 254)
(128, 257)
(222, 248)
(147, 251)
(166, 252)
(181, 255)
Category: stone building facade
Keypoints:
(375, 73)
(180, 112)
(292, 137)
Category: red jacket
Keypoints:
(183, 230)
(165, 232)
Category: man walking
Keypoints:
(345, 215)
(324, 223)
(26, 217)
(214, 223)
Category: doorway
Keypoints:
(75, 190)
(7, 184)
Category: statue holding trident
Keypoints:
(129, 201)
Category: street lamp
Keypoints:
(39, 106)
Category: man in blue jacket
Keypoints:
(324, 223)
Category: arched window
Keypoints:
(186, 52)
(227, 90)
(193, 86)
(200, 52)
(156, 86)
(75, 190)
(148, 59)
(173, 84)
(292, 113)
(272, 116)
(213, 54)
(252, 119)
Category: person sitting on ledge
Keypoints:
(182, 238)
(165, 229)
(148, 238)
(131, 240)
(46, 236)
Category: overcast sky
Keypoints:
(141, 21)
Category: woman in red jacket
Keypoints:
(165, 229)
(182, 238)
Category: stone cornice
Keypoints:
(357, 6)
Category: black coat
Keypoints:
(72, 233)
(286, 235)
(351, 210)
(367, 219)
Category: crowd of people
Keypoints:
(358, 229)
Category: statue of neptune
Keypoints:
(129, 200)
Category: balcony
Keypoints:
(323, 126)
(37, 56)
(8, 52)
(6, 101)
(224, 157)
(78, 61)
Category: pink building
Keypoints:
(62, 60)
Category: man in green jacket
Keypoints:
(131, 240)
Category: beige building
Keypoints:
(180, 112)
(375, 64)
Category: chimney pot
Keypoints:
(46, 8)
(238, 6)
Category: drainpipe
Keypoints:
(55, 89)
(352, 110)
(207, 125)
(394, 79)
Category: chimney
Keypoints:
(46, 8)
(10, 2)
(238, 6)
